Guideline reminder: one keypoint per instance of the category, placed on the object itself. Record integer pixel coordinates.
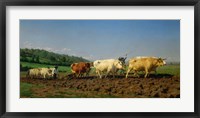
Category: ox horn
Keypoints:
(164, 58)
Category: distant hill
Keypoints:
(50, 58)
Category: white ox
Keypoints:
(33, 73)
(108, 66)
(44, 72)
(47, 72)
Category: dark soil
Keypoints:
(152, 87)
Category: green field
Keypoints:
(169, 69)
(26, 89)
(36, 65)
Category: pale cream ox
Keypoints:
(146, 64)
(108, 66)
(47, 72)
(33, 73)
(41, 72)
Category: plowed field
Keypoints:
(91, 87)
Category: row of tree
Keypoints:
(50, 58)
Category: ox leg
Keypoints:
(113, 75)
(146, 73)
(136, 74)
(107, 74)
(44, 76)
(129, 69)
(78, 75)
(82, 74)
(98, 73)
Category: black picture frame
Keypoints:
(5, 3)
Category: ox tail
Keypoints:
(72, 68)
(72, 65)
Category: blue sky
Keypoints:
(103, 39)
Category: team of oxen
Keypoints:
(42, 73)
(106, 67)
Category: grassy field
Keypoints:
(169, 69)
(36, 65)
(26, 89)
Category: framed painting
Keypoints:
(99, 58)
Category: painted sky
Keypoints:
(104, 39)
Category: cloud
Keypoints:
(64, 50)
(27, 44)
(55, 50)
(89, 57)
(45, 48)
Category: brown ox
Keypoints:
(80, 68)
(146, 64)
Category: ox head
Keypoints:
(118, 64)
(50, 72)
(161, 61)
(90, 64)
(122, 59)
